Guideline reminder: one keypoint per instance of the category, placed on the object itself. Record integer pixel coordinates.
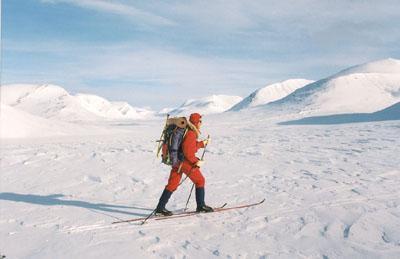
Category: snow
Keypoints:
(19, 124)
(112, 110)
(331, 192)
(390, 113)
(206, 105)
(271, 93)
(385, 66)
(330, 178)
(362, 89)
(54, 102)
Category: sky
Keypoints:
(157, 54)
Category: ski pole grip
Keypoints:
(204, 151)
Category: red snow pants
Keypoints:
(192, 172)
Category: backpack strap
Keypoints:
(192, 127)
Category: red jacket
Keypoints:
(190, 145)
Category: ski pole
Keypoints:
(190, 194)
(191, 190)
(151, 214)
(205, 146)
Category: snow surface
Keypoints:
(390, 113)
(271, 93)
(362, 89)
(207, 105)
(17, 124)
(331, 192)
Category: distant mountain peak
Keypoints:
(383, 66)
(363, 88)
(206, 105)
(271, 93)
(52, 101)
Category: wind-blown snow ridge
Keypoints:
(15, 123)
(207, 105)
(271, 93)
(19, 124)
(390, 113)
(365, 88)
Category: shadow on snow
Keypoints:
(55, 199)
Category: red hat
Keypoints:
(195, 118)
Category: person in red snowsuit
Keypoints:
(190, 167)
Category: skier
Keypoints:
(190, 166)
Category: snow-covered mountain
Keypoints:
(111, 110)
(271, 93)
(385, 66)
(207, 105)
(365, 88)
(52, 101)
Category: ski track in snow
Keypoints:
(331, 192)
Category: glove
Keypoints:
(199, 163)
(206, 141)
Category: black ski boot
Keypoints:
(161, 210)
(201, 206)
(204, 208)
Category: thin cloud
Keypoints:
(116, 8)
(172, 69)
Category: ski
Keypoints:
(215, 210)
(141, 219)
(160, 216)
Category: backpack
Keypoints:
(171, 141)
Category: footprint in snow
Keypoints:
(90, 178)
(346, 231)
(186, 244)
(324, 231)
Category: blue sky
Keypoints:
(159, 53)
